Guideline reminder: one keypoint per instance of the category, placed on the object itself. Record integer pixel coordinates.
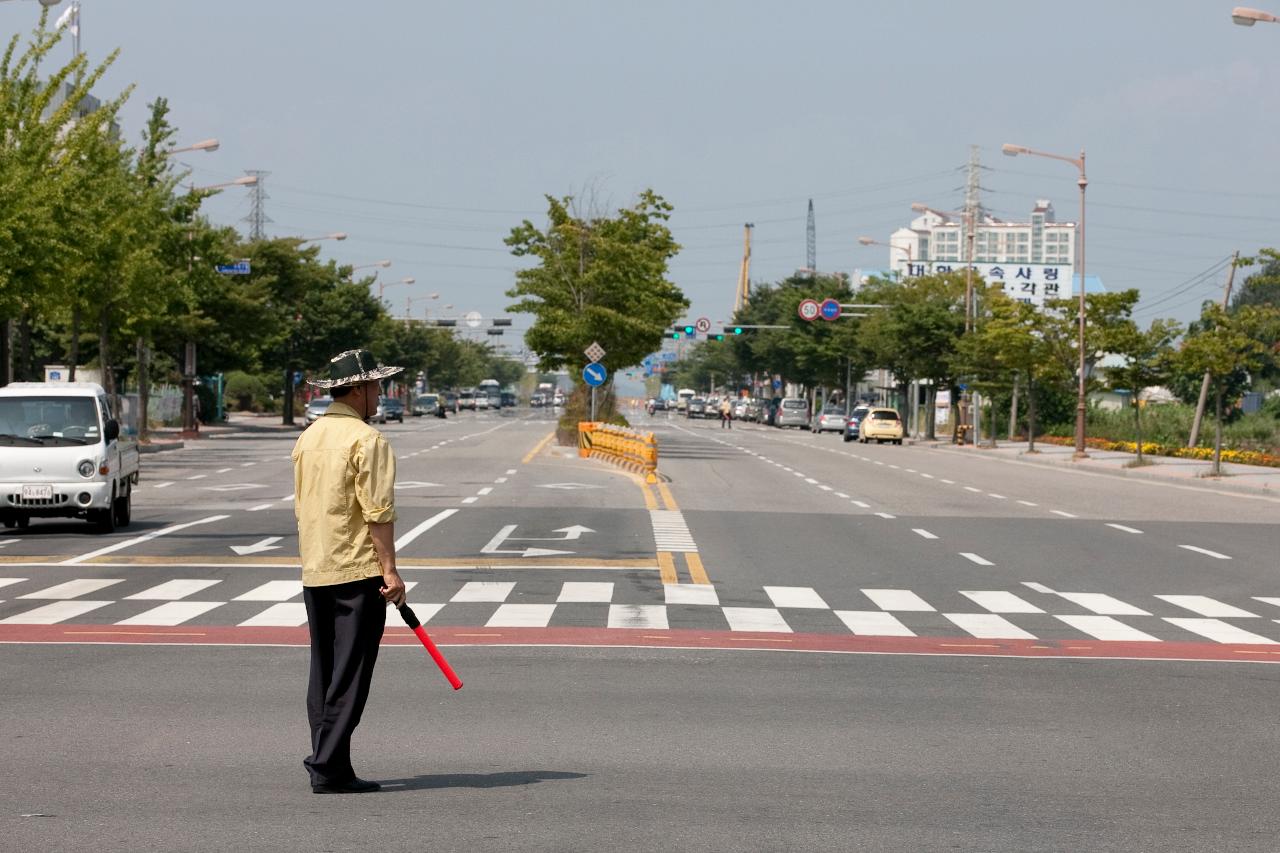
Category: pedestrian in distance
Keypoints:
(344, 477)
(726, 414)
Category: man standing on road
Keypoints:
(344, 474)
(726, 414)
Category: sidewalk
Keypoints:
(1250, 479)
(237, 424)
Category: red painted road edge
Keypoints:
(229, 635)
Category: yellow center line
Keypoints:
(537, 448)
(667, 497)
(697, 573)
(667, 567)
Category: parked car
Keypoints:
(881, 425)
(507, 399)
(830, 419)
(792, 412)
(538, 401)
(450, 401)
(696, 408)
(62, 455)
(855, 418)
(392, 409)
(740, 409)
(467, 400)
(315, 410)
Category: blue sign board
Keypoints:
(594, 374)
(238, 268)
(669, 356)
(830, 309)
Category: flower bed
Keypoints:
(1243, 457)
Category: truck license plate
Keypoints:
(35, 493)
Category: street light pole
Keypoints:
(190, 424)
(1082, 182)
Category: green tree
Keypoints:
(597, 278)
(1147, 355)
(1225, 344)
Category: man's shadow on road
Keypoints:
(477, 780)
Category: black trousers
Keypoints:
(346, 622)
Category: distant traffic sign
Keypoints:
(238, 268)
(595, 352)
(830, 309)
(809, 310)
(473, 319)
(594, 374)
(703, 324)
(670, 356)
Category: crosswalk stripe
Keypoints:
(521, 616)
(999, 601)
(873, 623)
(586, 591)
(8, 581)
(898, 599)
(171, 613)
(989, 626)
(290, 614)
(1267, 600)
(1106, 628)
(1103, 604)
(75, 588)
(272, 591)
(756, 619)
(172, 590)
(638, 616)
(690, 593)
(50, 614)
(795, 596)
(1205, 606)
(484, 591)
(1217, 630)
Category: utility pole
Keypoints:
(1204, 384)
(972, 206)
(744, 274)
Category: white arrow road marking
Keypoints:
(267, 544)
(574, 532)
(493, 546)
(234, 487)
(416, 484)
(423, 527)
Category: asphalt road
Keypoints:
(792, 643)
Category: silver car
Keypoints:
(315, 410)
(793, 412)
(830, 419)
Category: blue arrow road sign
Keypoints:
(594, 374)
(830, 309)
(238, 268)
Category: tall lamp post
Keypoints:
(336, 235)
(867, 241)
(190, 424)
(383, 285)
(1083, 181)
(1242, 15)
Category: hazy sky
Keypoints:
(426, 130)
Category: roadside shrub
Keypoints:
(245, 392)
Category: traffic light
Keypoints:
(677, 335)
(493, 331)
(719, 337)
(737, 330)
(446, 322)
(502, 321)
(689, 330)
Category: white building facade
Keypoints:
(1034, 260)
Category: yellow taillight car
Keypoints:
(881, 425)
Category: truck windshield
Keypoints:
(48, 421)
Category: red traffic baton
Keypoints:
(411, 619)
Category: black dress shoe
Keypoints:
(354, 785)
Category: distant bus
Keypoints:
(683, 396)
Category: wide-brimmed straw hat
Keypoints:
(353, 367)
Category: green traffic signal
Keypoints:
(689, 330)
(719, 337)
(675, 336)
(737, 330)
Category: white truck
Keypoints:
(61, 455)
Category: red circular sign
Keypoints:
(809, 310)
(703, 324)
